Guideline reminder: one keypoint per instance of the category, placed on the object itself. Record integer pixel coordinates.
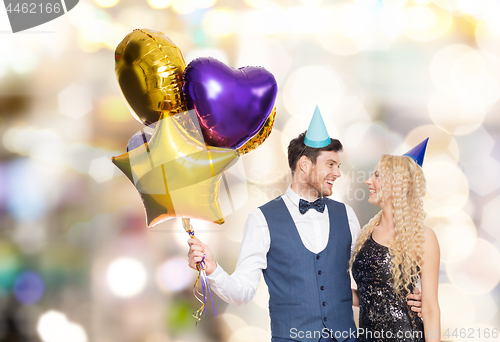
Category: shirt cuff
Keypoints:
(216, 275)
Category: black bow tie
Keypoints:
(319, 205)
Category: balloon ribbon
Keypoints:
(202, 278)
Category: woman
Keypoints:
(393, 251)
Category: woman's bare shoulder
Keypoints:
(431, 240)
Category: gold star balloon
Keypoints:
(176, 174)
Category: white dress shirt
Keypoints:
(313, 227)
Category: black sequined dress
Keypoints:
(382, 315)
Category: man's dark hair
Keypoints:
(297, 148)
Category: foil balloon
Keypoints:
(141, 137)
(149, 70)
(138, 140)
(233, 105)
(260, 137)
(175, 173)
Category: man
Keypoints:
(301, 242)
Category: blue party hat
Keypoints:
(317, 135)
(417, 153)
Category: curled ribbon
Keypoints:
(202, 278)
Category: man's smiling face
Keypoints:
(322, 174)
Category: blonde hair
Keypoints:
(407, 181)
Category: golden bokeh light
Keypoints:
(106, 3)
(184, 6)
(312, 86)
(350, 110)
(338, 44)
(54, 326)
(266, 53)
(488, 28)
(126, 277)
(159, 4)
(474, 7)
(267, 165)
(453, 116)
(305, 19)
(447, 192)
(263, 21)
(311, 2)
(479, 272)
(249, 334)
(473, 80)
(441, 144)
(116, 34)
(395, 3)
(351, 31)
(88, 46)
(449, 5)
(487, 38)
(366, 2)
(438, 167)
(257, 3)
(442, 64)
(457, 307)
(456, 235)
(447, 195)
(216, 53)
(467, 76)
(354, 20)
(114, 109)
(420, 19)
(426, 23)
(392, 22)
(219, 22)
(206, 3)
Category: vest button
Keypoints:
(317, 257)
(319, 272)
(324, 303)
(325, 319)
(322, 288)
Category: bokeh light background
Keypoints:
(78, 264)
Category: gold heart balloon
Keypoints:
(149, 68)
(261, 135)
(176, 174)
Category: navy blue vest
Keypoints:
(308, 293)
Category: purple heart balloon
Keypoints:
(232, 105)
